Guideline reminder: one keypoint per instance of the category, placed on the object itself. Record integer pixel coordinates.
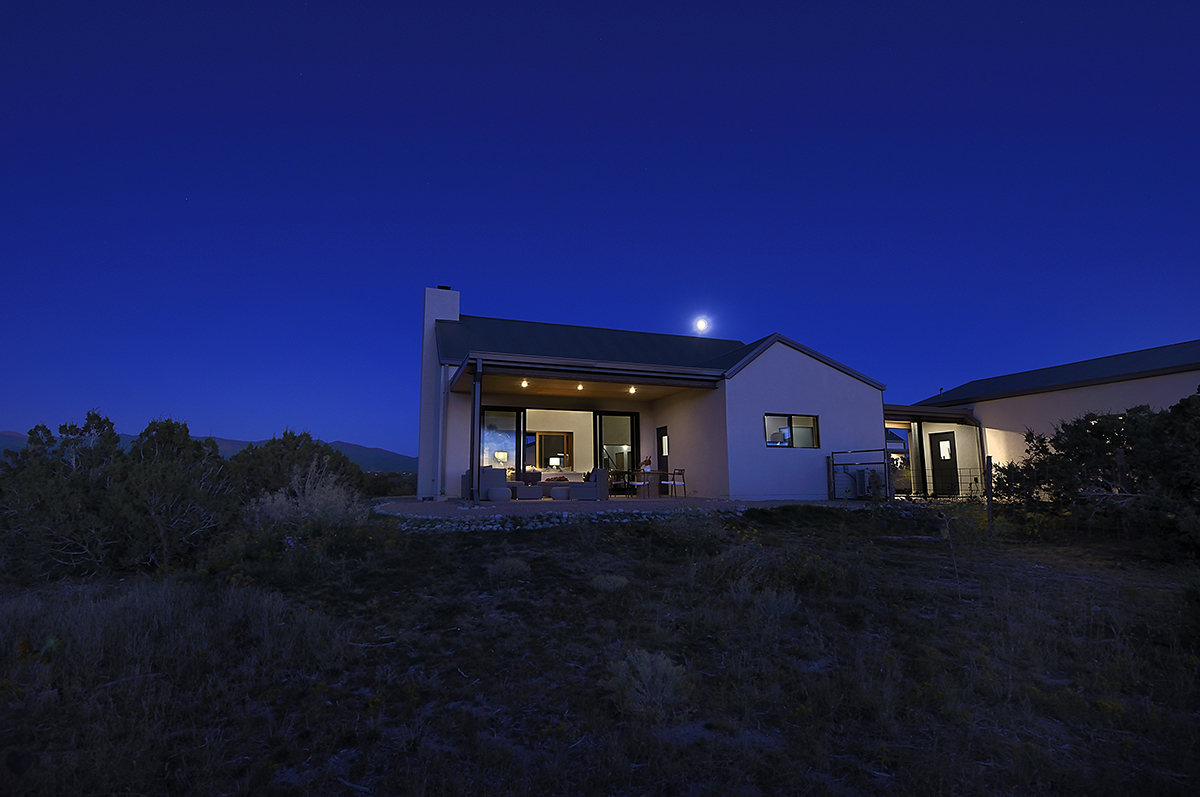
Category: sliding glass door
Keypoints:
(617, 441)
(498, 441)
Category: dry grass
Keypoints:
(151, 687)
(794, 651)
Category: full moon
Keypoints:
(702, 324)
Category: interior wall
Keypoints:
(578, 423)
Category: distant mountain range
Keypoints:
(369, 459)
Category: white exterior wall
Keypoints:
(439, 305)
(695, 421)
(786, 381)
(458, 442)
(1005, 420)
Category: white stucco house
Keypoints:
(951, 434)
(747, 421)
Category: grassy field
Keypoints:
(801, 650)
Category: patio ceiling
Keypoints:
(580, 379)
(581, 387)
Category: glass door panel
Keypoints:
(617, 447)
(498, 443)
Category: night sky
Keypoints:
(226, 213)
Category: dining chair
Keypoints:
(676, 481)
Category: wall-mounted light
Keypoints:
(633, 390)
(579, 387)
(524, 383)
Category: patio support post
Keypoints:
(920, 457)
(443, 428)
(987, 481)
(476, 432)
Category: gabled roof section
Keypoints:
(1176, 358)
(751, 351)
(456, 339)
(561, 345)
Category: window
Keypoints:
(792, 431)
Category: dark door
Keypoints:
(663, 450)
(943, 460)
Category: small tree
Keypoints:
(178, 492)
(57, 497)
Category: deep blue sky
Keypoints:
(226, 213)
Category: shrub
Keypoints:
(272, 466)
(508, 568)
(316, 497)
(1140, 468)
(647, 685)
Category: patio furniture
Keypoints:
(594, 487)
(646, 482)
(675, 481)
(620, 482)
(561, 493)
(523, 491)
(489, 477)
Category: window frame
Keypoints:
(790, 440)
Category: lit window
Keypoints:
(792, 431)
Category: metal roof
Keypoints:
(456, 339)
(560, 346)
(1175, 358)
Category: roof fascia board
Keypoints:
(772, 339)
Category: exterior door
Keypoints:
(943, 460)
(663, 450)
